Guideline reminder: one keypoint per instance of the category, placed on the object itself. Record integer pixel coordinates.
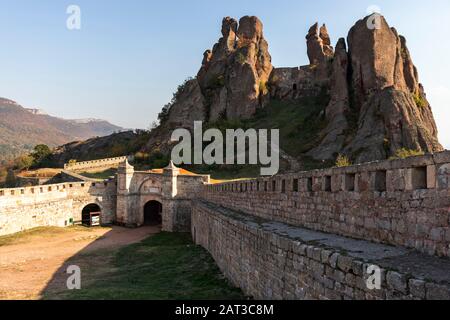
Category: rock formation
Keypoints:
(335, 133)
(234, 75)
(387, 104)
(318, 44)
(377, 104)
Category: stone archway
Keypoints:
(88, 212)
(153, 213)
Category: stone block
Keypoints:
(345, 263)
(431, 177)
(437, 292)
(417, 288)
(397, 282)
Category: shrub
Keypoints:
(241, 58)
(343, 161)
(41, 155)
(420, 100)
(404, 153)
(163, 115)
(24, 162)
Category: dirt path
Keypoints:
(27, 267)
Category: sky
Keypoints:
(129, 57)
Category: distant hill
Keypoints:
(22, 128)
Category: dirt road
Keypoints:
(29, 265)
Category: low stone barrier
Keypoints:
(272, 260)
(401, 202)
(94, 165)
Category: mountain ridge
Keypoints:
(22, 128)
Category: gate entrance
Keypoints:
(153, 213)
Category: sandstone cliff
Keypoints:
(378, 105)
(376, 102)
(234, 74)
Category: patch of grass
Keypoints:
(226, 172)
(100, 175)
(420, 101)
(27, 236)
(309, 163)
(300, 122)
(165, 266)
(404, 153)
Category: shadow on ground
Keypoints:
(161, 266)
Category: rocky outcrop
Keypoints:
(320, 51)
(234, 75)
(319, 45)
(387, 109)
(377, 103)
(336, 111)
(188, 106)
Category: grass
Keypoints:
(300, 122)
(405, 153)
(42, 232)
(226, 172)
(100, 175)
(165, 266)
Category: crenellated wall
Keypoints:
(401, 202)
(54, 205)
(94, 165)
(122, 200)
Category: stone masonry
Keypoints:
(121, 199)
(306, 235)
(272, 260)
(401, 202)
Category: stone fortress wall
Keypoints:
(306, 235)
(313, 235)
(95, 165)
(401, 202)
(273, 260)
(54, 205)
(122, 199)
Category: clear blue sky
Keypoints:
(129, 56)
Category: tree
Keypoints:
(11, 181)
(3, 173)
(41, 153)
(24, 162)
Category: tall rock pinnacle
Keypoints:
(387, 102)
(234, 74)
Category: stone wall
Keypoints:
(54, 205)
(402, 202)
(270, 260)
(95, 165)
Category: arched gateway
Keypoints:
(153, 213)
(156, 197)
(91, 215)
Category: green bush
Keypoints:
(404, 153)
(420, 100)
(343, 161)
